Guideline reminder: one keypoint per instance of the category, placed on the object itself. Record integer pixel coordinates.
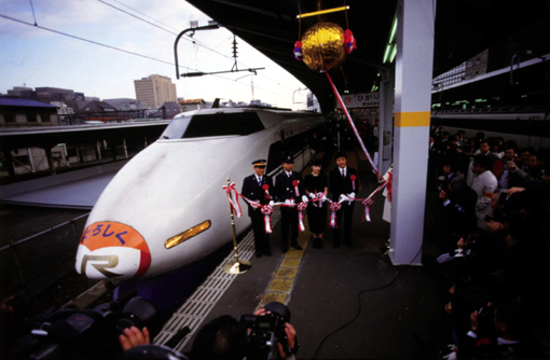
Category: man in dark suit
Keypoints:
(343, 180)
(286, 190)
(258, 187)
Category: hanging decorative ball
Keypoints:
(322, 46)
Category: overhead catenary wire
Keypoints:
(117, 49)
(193, 41)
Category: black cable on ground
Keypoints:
(360, 305)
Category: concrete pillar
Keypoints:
(125, 148)
(49, 156)
(413, 76)
(385, 124)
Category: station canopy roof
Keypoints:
(462, 29)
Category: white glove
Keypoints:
(304, 198)
(287, 201)
(324, 197)
(350, 197)
(312, 195)
(271, 203)
(342, 198)
(443, 258)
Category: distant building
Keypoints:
(47, 95)
(127, 104)
(155, 90)
(22, 112)
(191, 104)
(167, 111)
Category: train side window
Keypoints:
(242, 123)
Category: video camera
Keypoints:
(266, 331)
(87, 333)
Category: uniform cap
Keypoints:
(260, 162)
(288, 159)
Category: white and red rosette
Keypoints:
(334, 207)
(233, 198)
(265, 187)
(353, 178)
(267, 210)
(295, 183)
(301, 207)
(367, 203)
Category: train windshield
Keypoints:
(206, 125)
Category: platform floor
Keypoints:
(346, 302)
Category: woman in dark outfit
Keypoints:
(316, 183)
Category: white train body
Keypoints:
(176, 184)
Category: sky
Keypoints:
(146, 31)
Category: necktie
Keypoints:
(260, 180)
(343, 173)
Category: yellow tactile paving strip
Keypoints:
(280, 286)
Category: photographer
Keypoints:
(497, 332)
(247, 338)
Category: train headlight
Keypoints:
(187, 234)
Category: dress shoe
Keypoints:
(320, 246)
(258, 253)
(284, 249)
(348, 243)
(267, 252)
(336, 245)
(296, 246)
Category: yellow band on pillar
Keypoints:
(417, 118)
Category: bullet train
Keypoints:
(166, 208)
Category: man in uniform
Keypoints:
(343, 180)
(258, 187)
(286, 191)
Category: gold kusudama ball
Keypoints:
(322, 46)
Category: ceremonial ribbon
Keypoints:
(334, 207)
(353, 178)
(352, 124)
(230, 190)
(301, 207)
(267, 210)
(295, 183)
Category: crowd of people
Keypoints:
(494, 268)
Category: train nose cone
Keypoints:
(111, 250)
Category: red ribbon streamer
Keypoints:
(367, 203)
(334, 207)
(267, 210)
(301, 207)
(339, 98)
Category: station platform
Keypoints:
(344, 303)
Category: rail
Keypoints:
(35, 268)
